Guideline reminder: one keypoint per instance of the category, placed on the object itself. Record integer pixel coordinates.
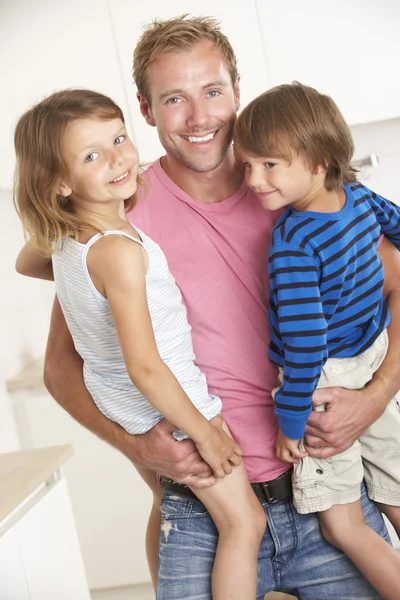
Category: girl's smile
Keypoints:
(102, 163)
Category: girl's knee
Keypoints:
(249, 525)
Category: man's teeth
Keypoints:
(205, 138)
(119, 178)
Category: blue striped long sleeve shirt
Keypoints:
(326, 281)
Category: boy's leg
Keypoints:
(393, 514)
(241, 523)
(380, 449)
(154, 523)
(314, 568)
(344, 527)
(293, 555)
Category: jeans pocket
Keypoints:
(174, 506)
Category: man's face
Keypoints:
(193, 106)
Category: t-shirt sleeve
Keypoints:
(302, 327)
(388, 216)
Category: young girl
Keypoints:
(327, 316)
(76, 176)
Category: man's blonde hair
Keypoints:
(46, 215)
(175, 35)
(295, 120)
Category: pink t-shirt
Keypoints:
(218, 254)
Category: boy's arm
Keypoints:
(350, 412)
(33, 264)
(155, 450)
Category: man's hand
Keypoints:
(288, 449)
(348, 413)
(159, 451)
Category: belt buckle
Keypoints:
(267, 494)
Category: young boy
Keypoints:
(327, 316)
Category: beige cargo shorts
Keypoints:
(320, 483)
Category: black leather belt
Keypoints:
(266, 491)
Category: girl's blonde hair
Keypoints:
(295, 120)
(46, 215)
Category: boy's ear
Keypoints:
(321, 168)
(64, 190)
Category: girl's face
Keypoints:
(279, 183)
(101, 160)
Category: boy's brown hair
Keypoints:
(295, 120)
(46, 215)
(174, 35)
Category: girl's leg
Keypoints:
(344, 526)
(393, 514)
(241, 522)
(154, 523)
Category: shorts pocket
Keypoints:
(311, 472)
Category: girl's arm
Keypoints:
(117, 265)
(33, 264)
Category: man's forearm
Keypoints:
(65, 383)
(63, 376)
(386, 381)
(156, 450)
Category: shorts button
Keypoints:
(320, 472)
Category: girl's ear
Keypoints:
(64, 190)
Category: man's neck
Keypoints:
(211, 187)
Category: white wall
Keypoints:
(47, 45)
(24, 316)
(383, 139)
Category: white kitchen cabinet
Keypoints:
(348, 50)
(238, 21)
(49, 548)
(110, 502)
(13, 584)
(40, 557)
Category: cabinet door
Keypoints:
(50, 550)
(238, 21)
(12, 577)
(47, 46)
(111, 503)
(348, 50)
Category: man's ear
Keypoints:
(145, 109)
(64, 190)
(236, 89)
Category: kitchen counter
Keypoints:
(21, 473)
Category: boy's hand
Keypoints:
(288, 449)
(219, 450)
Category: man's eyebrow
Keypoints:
(176, 91)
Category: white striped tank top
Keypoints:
(90, 322)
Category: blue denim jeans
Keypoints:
(293, 557)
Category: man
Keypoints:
(215, 236)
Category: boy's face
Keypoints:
(193, 106)
(280, 183)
